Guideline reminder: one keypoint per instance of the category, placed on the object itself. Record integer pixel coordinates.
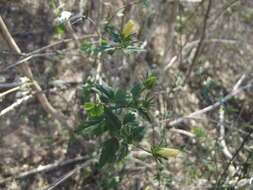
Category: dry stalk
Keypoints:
(28, 73)
(46, 168)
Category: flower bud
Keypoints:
(128, 28)
(167, 152)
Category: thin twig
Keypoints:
(28, 73)
(10, 85)
(221, 124)
(202, 38)
(239, 82)
(6, 52)
(245, 183)
(173, 122)
(223, 176)
(68, 175)
(183, 132)
(60, 42)
(189, 134)
(14, 105)
(213, 40)
(9, 91)
(224, 9)
(222, 134)
(24, 60)
(46, 168)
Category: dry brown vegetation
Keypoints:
(200, 52)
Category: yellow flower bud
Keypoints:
(167, 152)
(128, 28)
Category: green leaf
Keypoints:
(136, 90)
(138, 133)
(131, 133)
(95, 110)
(85, 46)
(122, 152)
(200, 133)
(131, 49)
(230, 109)
(149, 82)
(86, 89)
(97, 130)
(89, 106)
(91, 122)
(112, 121)
(111, 182)
(147, 103)
(113, 33)
(106, 49)
(90, 126)
(129, 117)
(208, 88)
(109, 150)
(106, 93)
(53, 3)
(213, 85)
(144, 115)
(60, 30)
(88, 47)
(103, 42)
(129, 40)
(205, 93)
(122, 98)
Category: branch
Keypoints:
(213, 40)
(9, 85)
(60, 42)
(202, 38)
(28, 73)
(242, 183)
(9, 91)
(14, 105)
(224, 9)
(68, 175)
(24, 60)
(207, 109)
(223, 176)
(225, 149)
(36, 53)
(182, 132)
(221, 124)
(46, 168)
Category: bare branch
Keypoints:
(24, 60)
(9, 91)
(222, 134)
(202, 38)
(28, 73)
(173, 122)
(224, 9)
(14, 105)
(46, 168)
(68, 175)
(60, 42)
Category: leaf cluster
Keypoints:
(114, 40)
(118, 115)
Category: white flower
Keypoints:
(65, 15)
